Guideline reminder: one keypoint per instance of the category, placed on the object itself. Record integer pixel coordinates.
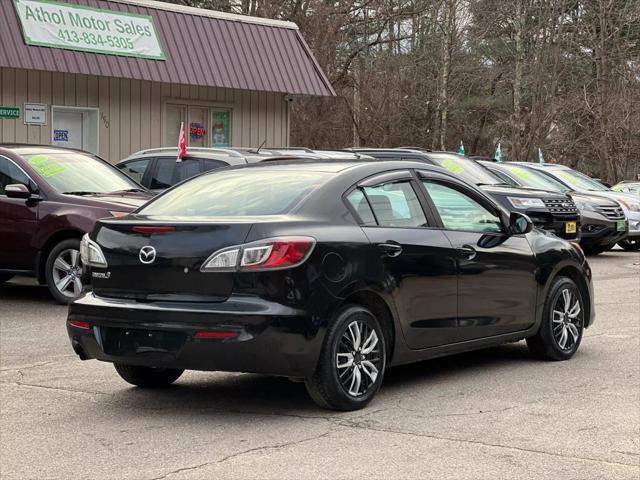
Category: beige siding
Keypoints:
(131, 111)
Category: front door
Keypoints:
(18, 221)
(496, 272)
(417, 261)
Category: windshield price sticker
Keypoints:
(453, 166)
(45, 166)
(73, 27)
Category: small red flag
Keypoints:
(182, 144)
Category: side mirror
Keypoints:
(519, 224)
(17, 190)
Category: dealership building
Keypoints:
(117, 76)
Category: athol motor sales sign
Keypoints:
(62, 25)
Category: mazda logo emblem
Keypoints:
(147, 254)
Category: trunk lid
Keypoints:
(169, 267)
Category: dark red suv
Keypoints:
(49, 198)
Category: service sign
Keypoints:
(62, 25)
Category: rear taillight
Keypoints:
(154, 229)
(216, 334)
(91, 253)
(267, 254)
(79, 324)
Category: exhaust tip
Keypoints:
(79, 350)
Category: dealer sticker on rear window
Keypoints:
(45, 166)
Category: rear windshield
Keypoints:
(237, 193)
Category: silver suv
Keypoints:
(157, 168)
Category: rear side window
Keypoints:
(237, 193)
(136, 168)
(213, 164)
(395, 204)
(168, 171)
(361, 206)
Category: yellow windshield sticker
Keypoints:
(566, 175)
(45, 166)
(453, 166)
(521, 173)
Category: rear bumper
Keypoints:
(272, 338)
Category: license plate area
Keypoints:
(127, 341)
(570, 227)
(621, 226)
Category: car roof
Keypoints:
(31, 149)
(335, 165)
(192, 152)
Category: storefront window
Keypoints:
(220, 129)
(204, 126)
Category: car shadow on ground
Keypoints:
(25, 290)
(247, 394)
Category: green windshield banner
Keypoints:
(61, 25)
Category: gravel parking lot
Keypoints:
(490, 414)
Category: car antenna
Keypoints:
(261, 145)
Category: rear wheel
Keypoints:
(147, 377)
(562, 324)
(352, 361)
(5, 277)
(63, 271)
(630, 245)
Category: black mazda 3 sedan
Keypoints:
(323, 271)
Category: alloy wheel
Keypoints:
(67, 272)
(358, 360)
(567, 319)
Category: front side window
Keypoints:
(10, 174)
(395, 204)
(136, 168)
(237, 193)
(78, 173)
(460, 212)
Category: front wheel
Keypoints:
(147, 377)
(352, 361)
(562, 325)
(629, 245)
(63, 271)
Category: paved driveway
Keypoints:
(490, 414)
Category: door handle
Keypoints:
(390, 249)
(467, 251)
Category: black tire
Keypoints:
(71, 244)
(147, 377)
(327, 387)
(5, 277)
(547, 343)
(629, 245)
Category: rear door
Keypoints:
(417, 260)
(167, 171)
(496, 272)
